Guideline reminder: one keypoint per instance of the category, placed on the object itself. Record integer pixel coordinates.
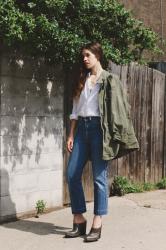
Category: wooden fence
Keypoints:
(146, 92)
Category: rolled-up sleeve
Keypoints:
(74, 114)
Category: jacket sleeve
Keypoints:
(120, 110)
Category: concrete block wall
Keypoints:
(31, 135)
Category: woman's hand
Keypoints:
(70, 141)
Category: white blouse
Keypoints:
(87, 104)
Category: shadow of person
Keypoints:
(40, 228)
(7, 206)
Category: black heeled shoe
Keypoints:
(94, 235)
(78, 230)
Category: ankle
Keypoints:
(78, 218)
(97, 221)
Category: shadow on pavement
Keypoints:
(40, 228)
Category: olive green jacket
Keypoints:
(118, 134)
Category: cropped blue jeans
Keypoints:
(88, 145)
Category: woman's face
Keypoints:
(89, 59)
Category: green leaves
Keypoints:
(162, 184)
(121, 186)
(56, 29)
(31, 5)
(40, 206)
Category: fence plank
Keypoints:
(164, 144)
(148, 169)
(157, 126)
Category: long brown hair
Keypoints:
(96, 49)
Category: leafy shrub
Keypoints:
(134, 188)
(55, 29)
(148, 186)
(121, 185)
(162, 184)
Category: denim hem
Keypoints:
(79, 211)
(101, 212)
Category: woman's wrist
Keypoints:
(71, 135)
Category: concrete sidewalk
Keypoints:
(134, 222)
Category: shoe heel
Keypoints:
(82, 228)
(78, 229)
(100, 232)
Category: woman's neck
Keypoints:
(96, 69)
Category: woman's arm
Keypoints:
(70, 138)
(73, 119)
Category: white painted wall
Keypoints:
(31, 135)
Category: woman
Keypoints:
(101, 130)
